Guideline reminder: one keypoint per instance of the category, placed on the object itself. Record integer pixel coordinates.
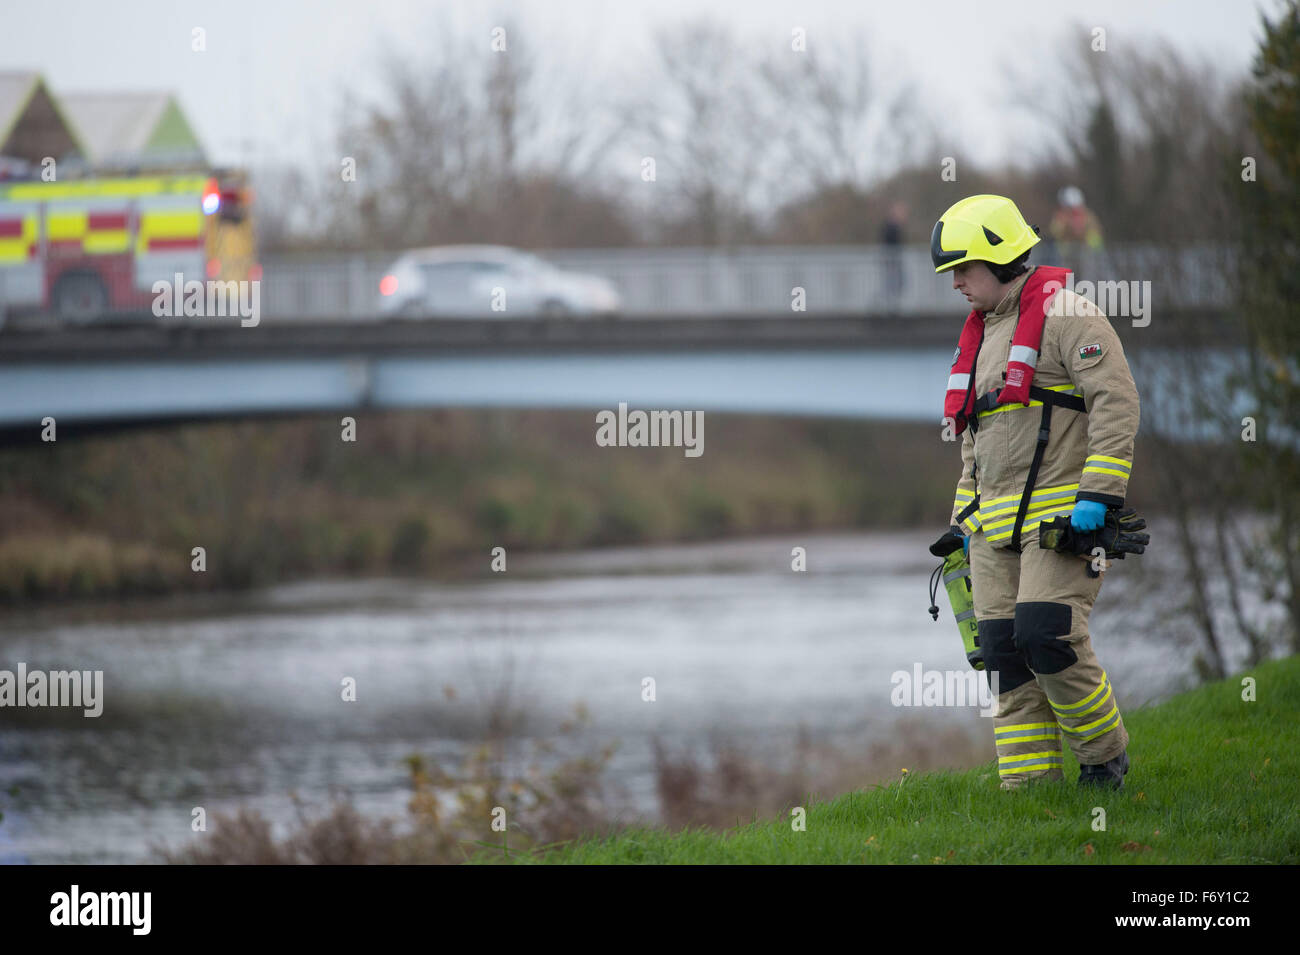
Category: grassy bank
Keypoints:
(430, 493)
(1213, 780)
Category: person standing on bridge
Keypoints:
(1077, 233)
(1031, 347)
(891, 241)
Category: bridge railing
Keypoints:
(756, 280)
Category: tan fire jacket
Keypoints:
(1088, 457)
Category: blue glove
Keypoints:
(1088, 515)
(965, 546)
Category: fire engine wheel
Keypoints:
(79, 298)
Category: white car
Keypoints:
(488, 281)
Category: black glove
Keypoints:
(1126, 539)
(948, 543)
(1118, 535)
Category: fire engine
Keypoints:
(90, 248)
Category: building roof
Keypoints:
(132, 128)
(33, 124)
(15, 90)
(101, 130)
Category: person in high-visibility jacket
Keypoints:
(1042, 396)
(1077, 233)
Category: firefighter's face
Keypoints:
(978, 284)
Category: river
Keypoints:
(235, 700)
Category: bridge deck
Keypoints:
(280, 338)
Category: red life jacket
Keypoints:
(1043, 283)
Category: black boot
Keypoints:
(1110, 773)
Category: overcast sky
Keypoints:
(265, 87)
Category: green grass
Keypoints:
(1213, 779)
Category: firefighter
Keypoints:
(1042, 396)
(1076, 232)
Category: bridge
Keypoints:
(318, 347)
(881, 366)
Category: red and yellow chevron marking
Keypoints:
(94, 233)
(19, 239)
(102, 231)
(170, 229)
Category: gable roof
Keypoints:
(15, 90)
(32, 122)
(130, 128)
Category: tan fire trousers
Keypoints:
(1032, 610)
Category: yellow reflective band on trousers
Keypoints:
(1023, 732)
(1104, 464)
(1051, 759)
(1016, 405)
(1090, 704)
(1096, 728)
(1016, 735)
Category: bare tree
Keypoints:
(839, 127)
(492, 146)
(1140, 130)
(708, 132)
(739, 133)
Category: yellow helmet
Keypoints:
(980, 229)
